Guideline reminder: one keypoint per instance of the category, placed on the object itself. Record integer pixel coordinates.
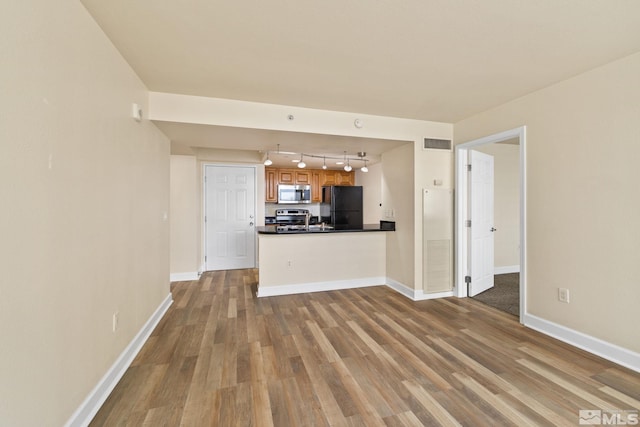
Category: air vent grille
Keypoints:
(436, 144)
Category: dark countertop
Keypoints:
(271, 229)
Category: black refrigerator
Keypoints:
(341, 206)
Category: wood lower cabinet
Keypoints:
(314, 177)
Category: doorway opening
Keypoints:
(465, 250)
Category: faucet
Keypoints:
(307, 218)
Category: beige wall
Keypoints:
(430, 166)
(582, 205)
(84, 218)
(371, 183)
(506, 202)
(184, 215)
(398, 206)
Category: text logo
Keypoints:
(596, 417)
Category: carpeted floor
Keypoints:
(505, 295)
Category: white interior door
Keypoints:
(230, 198)
(482, 229)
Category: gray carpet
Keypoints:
(505, 295)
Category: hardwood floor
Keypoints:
(361, 357)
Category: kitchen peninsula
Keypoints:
(299, 261)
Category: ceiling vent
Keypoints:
(436, 144)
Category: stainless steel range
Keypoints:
(296, 221)
(291, 216)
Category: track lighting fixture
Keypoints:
(269, 162)
(347, 167)
(345, 160)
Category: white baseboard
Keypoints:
(507, 269)
(88, 409)
(301, 288)
(413, 294)
(184, 277)
(401, 288)
(601, 348)
(421, 295)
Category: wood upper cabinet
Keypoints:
(286, 176)
(303, 177)
(315, 177)
(293, 176)
(328, 178)
(338, 177)
(345, 178)
(271, 183)
(316, 188)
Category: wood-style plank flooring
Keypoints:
(361, 357)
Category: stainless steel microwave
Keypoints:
(294, 193)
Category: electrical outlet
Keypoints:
(116, 315)
(289, 263)
(563, 295)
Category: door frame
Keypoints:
(203, 209)
(462, 209)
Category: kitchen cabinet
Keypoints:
(292, 176)
(314, 177)
(271, 182)
(338, 177)
(328, 178)
(346, 178)
(286, 176)
(303, 177)
(316, 188)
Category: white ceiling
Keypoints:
(438, 60)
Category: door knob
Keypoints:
(251, 224)
(493, 229)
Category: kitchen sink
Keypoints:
(316, 227)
